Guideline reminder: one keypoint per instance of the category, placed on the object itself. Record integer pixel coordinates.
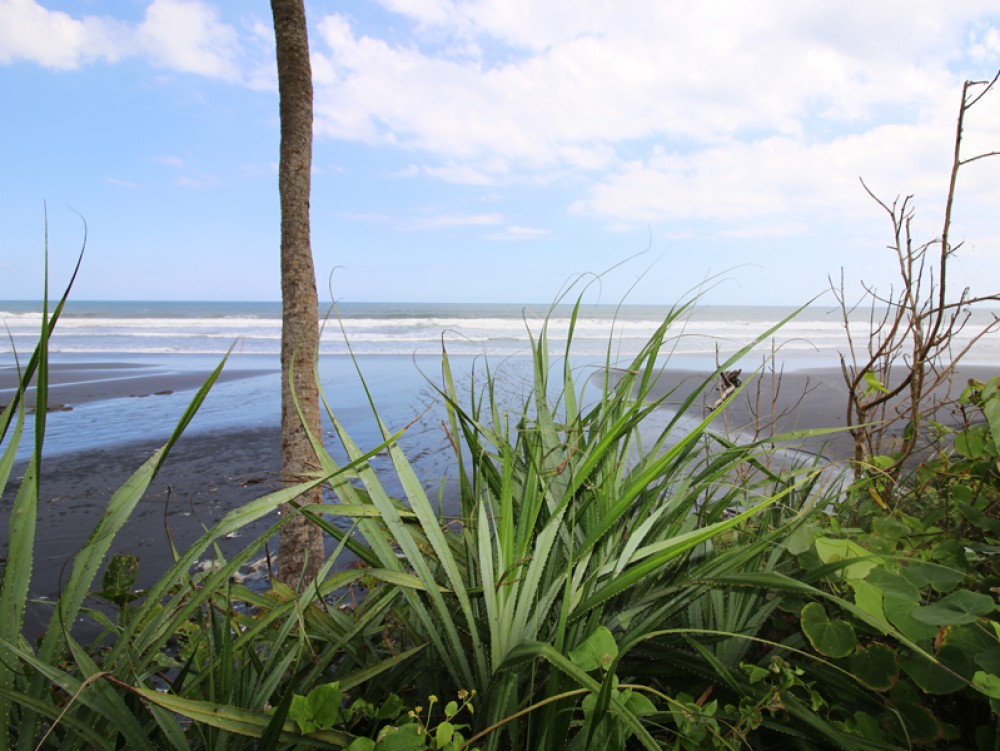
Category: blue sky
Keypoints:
(489, 150)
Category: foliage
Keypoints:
(910, 607)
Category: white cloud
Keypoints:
(187, 36)
(446, 221)
(122, 183)
(766, 186)
(178, 35)
(55, 39)
(199, 180)
(756, 118)
(517, 232)
(459, 174)
(581, 78)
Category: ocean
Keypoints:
(397, 348)
(812, 338)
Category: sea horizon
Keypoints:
(814, 337)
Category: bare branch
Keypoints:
(986, 90)
(972, 159)
(909, 355)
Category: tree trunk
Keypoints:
(301, 542)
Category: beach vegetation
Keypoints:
(599, 587)
(582, 546)
(899, 376)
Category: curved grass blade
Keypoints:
(240, 721)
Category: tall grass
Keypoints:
(569, 524)
(580, 542)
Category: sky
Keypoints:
(496, 150)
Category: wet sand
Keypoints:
(71, 384)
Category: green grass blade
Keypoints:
(240, 721)
(357, 677)
(81, 729)
(16, 580)
(658, 555)
(10, 450)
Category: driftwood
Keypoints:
(729, 381)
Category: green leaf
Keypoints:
(873, 384)
(955, 609)
(986, 683)
(833, 638)
(899, 598)
(320, 710)
(755, 673)
(831, 550)
(241, 721)
(598, 650)
(889, 528)
(299, 713)
(876, 667)
(939, 578)
(361, 744)
(922, 726)
(989, 660)
(391, 708)
(950, 673)
(801, 539)
(403, 738)
(978, 518)
(972, 443)
(639, 704)
(868, 597)
(444, 733)
(324, 705)
(990, 396)
(118, 582)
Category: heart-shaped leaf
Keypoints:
(952, 674)
(954, 609)
(830, 637)
(876, 667)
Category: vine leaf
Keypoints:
(829, 637)
(955, 609)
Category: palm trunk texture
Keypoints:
(300, 543)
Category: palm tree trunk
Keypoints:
(300, 543)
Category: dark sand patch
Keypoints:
(203, 478)
(77, 383)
